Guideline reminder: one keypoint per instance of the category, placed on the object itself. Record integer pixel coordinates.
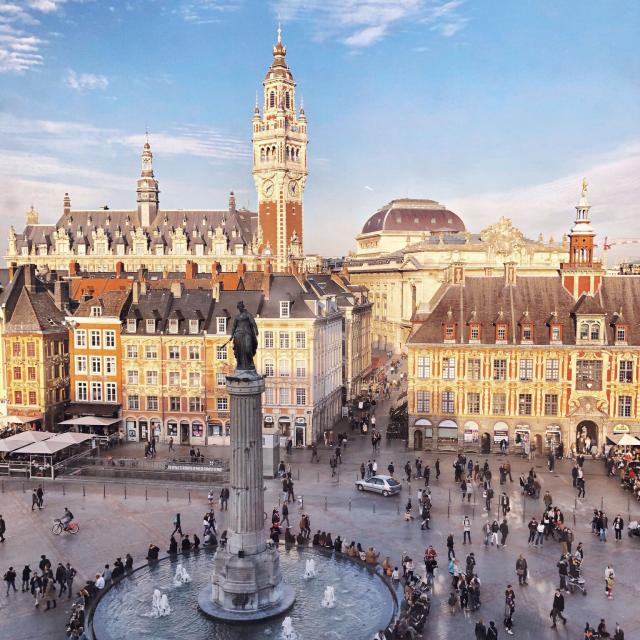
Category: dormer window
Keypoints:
(555, 333)
(501, 333)
(96, 311)
(450, 332)
(284, 308)
(221, 325)
(131, 325)
(595, 331)
(193, 325)
(590, 330)
(150, 326)
(527, 332)
(621, 335)
(173, 325)
(474, 332)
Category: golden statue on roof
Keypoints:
(584, 187)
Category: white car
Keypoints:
(386, 485)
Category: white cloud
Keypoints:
(85, 81)
(361, 23)
(45, 6)
(205, 11)
(549, 207)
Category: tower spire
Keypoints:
(279, 33)
(147, 190)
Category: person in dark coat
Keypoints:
(557, 609)
(481, 630)
(492, 632)
(3, 528)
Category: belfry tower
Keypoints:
(280, 163)
(147, 191)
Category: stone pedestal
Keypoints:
(246, 582)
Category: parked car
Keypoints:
(386, 485)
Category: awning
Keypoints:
(71, 437)
(46, 447)
(23, 439)
(17, 420)
(103, 409)
(90, 421)
(627, 440)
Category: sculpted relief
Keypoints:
(503, 238)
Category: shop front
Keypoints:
(284, 429)
(501, 435)
(448, 435)
(471, 434)
(523, 438)
(300, 439)
(422, 435)
(552, 438)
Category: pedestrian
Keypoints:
(290, 496)
(480, 630)
(563, 572)
(450, 551)
(40, 494)
(492, 632)
(427, 475)
(618, 526)
(50, 594)
(10, 579)
(539, 534)
(466, 530)
(581, 488)
(3, 528)
(437, 465)
(609, 578)
(26, 575)
(509, 609)
(314, 452)
(333, 463)
(339, 455)
(224, 499)
(522, 570)
(495, 528)
(391, 468)
(362, 471)
(176, 524)
(504, 532)
(170, 444)
(70, 575)
(285, 513)
(557, 609)
(603, 525)
(618, 633)
(34, 500)
(61, 578)
(486, 530)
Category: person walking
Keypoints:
(333, 463)
(40, 494)
(70, 575)
(609, 581)
(427, 475)
(509, 609)
(504, 532)
(557, 609)
(10, 579)
(3, 528)
(26, 576)
(492, 632)
(581, 488)
(495, 529)
(486, 530)
(618, 633)
(539, 534)
(171, 445)
(466, 530)
(285, 514)
(504, 504)
(563, 571)
(314, 452)
(61, 578)
(50, 594)
(224, 499)
(437, 465)
(618, 526)
(603, 525)
(450, 551)
(480, 630)
(34, 500)
(177, 525)
(522, 570)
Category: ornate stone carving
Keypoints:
(503, 238)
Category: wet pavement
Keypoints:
(115, 520)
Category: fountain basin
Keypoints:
(365, 603)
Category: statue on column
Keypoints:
(244, 334)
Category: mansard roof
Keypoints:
(541, 297)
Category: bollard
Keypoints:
(125, 491)
(278, 502)
(302, 502)
(349, 504)
(104, 490)
(146, 495)
(3, 486)
(338, 477)
(298, 473)
(574, 518)
(189, 497)
(325, 503)
(23, 487)
(318, 476)
(374, 507)
(63, 489)
(449, 496)
(167, 495)
(83, 492)
(448, 510)
(473, 512)
(601, 503)
(397, 509)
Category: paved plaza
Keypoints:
(112, 525)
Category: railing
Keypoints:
(144, 464)
(14, 467)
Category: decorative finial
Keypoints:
(584, 187)
(279, 33)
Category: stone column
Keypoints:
(246, 513)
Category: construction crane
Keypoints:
(615, 242)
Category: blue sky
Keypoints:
(490, 107)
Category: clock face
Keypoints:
(267, 188)
(293, 187)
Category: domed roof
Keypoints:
(416, 215)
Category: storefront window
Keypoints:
(172, 428)
(197, 429)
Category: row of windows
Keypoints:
(284, 368)
(52, 348)
(499, 404)
(18, 371)
(284, 342)
(194, 405)
(283, 395)
(173, 325)
(96, 392)
(174, 378)
(96, 365)
(97, 338)
(173, 352)
(588, 372)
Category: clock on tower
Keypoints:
(280, 162)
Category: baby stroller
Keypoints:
(575, 581)
(633, 528)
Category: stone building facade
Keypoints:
(534, 360)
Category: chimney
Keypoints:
(457, 273)
(66, 204)
(30, 277)
(61, 294)
(266, 279)
(12, 270)
(176, 289)
(143, 288)
(142, 273)
(119, 269)
(74, 268)
(510, 274)
(191, 270)
(242, 268)
(232, 201)
(136, 293)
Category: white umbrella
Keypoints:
(627, 440)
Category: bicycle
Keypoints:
(58, 527)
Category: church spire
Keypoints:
(147, 191)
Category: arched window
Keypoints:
(297, 155)
(287, 100)
(584, 331)
(595, 331)
(262, 154)
(272, 99)
(273, 152)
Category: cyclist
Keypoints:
(66, 519)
